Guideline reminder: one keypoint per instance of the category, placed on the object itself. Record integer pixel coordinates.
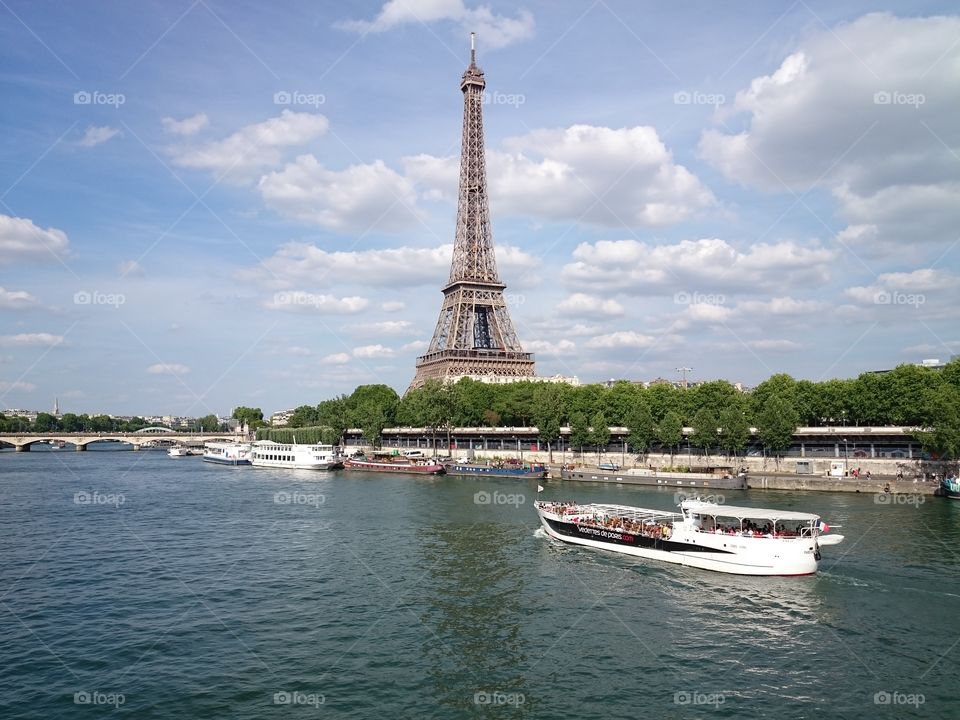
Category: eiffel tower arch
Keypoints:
(474, 336)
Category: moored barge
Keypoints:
(395, 464)
(641, 476)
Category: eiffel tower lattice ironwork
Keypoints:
(474, 336)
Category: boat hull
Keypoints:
(680, 552)
(504, 472)
(671, 480)
(332, 465)
(225, 461)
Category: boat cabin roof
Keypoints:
(626, 511)
(703, 508)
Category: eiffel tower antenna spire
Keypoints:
(474, 336)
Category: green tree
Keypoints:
(734, 430)
(704, 426)
(332, 414)
(371, 408)
(670, 431)
(101, 423)
(662, 399)
(208, 423)
(304, 416)
(70, 422)
(579, 431)
(941, 437)
(548, 409)
(619, 400)
(639, 421)
(781, 385)
(45, 422)
(599, 432)
(253, 417)
(776, 424)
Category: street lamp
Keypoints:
(844, 457)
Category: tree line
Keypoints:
(72, 423)
(719, 415)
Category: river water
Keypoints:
(136, 584)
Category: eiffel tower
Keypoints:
(474, 336)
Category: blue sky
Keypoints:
(206, 204)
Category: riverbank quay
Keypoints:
(876, 485)
(880, 468)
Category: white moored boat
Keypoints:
(267, 453)
(725, 538)
(227, 453)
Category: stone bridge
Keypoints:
(22, 441)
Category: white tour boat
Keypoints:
(267, 453)
(227, 453)
(739, 540)
(182, 451)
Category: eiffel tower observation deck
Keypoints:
(474, 336)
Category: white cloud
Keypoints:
(774, 345)
(252, 148)
(386, 327)
(336, 359)
(867, 110)
(188, 126)
(7, 386)
(906, 288)
(373, 351)
(392, 306)
(415, 346)
(622, 339)
(357, 199)
(606, 176)
(20, 239)
(168, 369)
(492, 30)
(31, 340)
(549, 348)
(590, 306)
(95, 135)
(695, 266)
(16, 299)
(300, 301)
(301, 264)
